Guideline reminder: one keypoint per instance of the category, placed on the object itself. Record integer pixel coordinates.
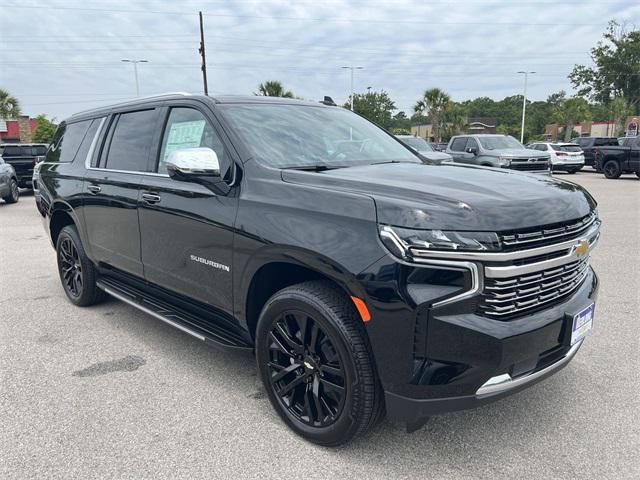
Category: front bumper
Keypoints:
(409, 410)
(474, 360)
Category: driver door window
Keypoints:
(471, 143)
(189, 128)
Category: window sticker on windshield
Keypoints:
(184, 135)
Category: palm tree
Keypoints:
(432, 104)
(453, 119)
(9, 106)
(571, 112)
(273, 88)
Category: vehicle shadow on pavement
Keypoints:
(484, 436)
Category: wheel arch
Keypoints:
(270, 272)
(60, 215)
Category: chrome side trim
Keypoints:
(504, 383)
(132, 172)
(518, 270)
(476, 279)
(505, 256)
(151, 312)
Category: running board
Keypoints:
(197, 327)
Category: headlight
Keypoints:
(504, 161)
(400, 241)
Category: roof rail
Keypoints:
(133, 100)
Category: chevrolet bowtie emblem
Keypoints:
(582, 247)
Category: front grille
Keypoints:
(545, 235)
(526, 165)
(507, 297)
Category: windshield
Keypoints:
(289, 136)
(499, 143)
(566, 148)
(418, 143)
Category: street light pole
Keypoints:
(524, 104)
(352, 68)
(135, 71)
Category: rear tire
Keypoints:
(14, 193)
(77, 273)
(330, 392)
(611, 169)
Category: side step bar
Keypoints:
(199, 328)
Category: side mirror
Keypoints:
(472, 150)
(198, 165)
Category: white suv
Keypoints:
(568, 157)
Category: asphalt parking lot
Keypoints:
(109, 392)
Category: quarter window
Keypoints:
(66, 141)
(131, 141)
(188, 128)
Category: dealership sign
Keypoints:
(632, 128)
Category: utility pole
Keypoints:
(524, 104)
(204, 58)
(352, 68)
(135, 71)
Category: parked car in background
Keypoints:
(23, 157)
(589, 144)
(616, 160)
(439, 146)
(421, 146)
(500, 151)
(365, 281)
(9, 190)
(567, 157)
(36, 188)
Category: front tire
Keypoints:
(315, 363)
(611, 169)
(77, 273)
(14, 193)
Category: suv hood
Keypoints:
(518, 153)
(455, 197)
(435, 156)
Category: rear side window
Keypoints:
(83, 151)
(66, 141)
(131, 141)
(458, 144)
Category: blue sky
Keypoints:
(63, 56)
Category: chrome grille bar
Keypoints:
(543, 234)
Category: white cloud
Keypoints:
(62, 60)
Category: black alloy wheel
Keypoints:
(305, 369)
(612, 169)
(70, 268)
(78, 275)
(315, 362)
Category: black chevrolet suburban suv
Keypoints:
(366, 282)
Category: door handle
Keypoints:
(151, 198)
(94, 189)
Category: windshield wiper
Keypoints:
(314, 168)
